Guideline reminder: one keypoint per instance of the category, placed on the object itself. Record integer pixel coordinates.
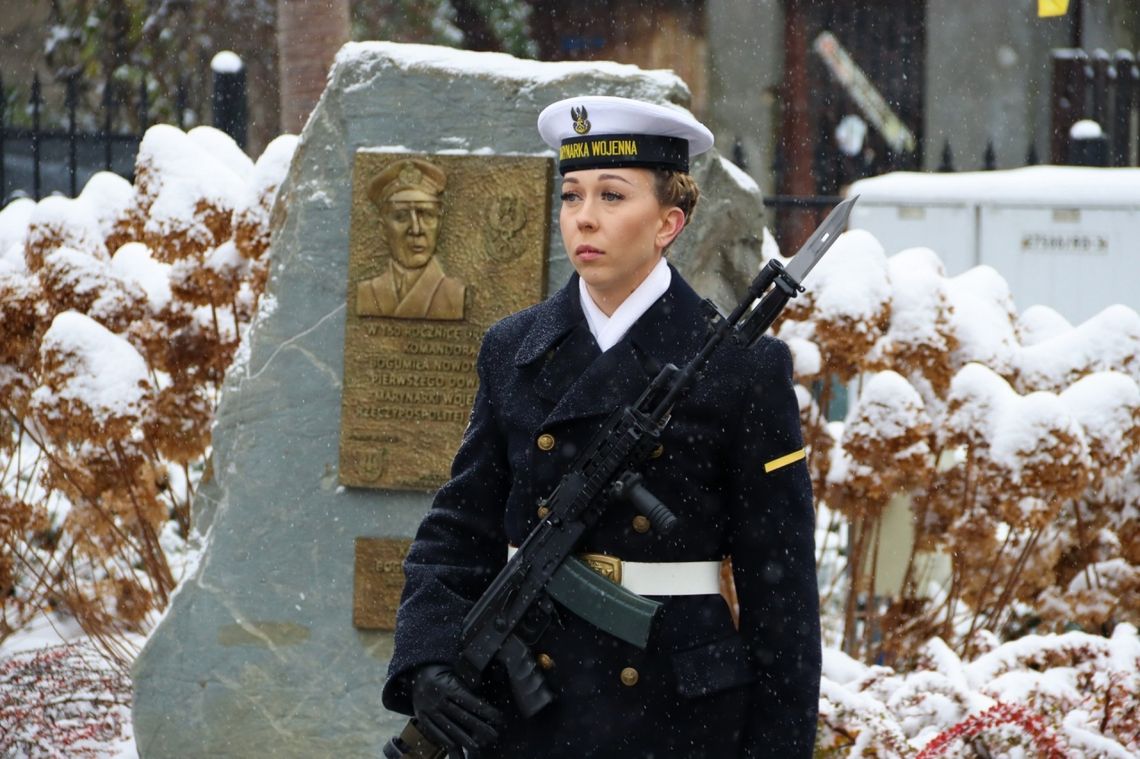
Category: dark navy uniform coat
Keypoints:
(702, 687)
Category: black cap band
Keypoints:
(623, 151)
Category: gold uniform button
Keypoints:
(545, 661)
(641, 523)
(545, 441)
(543, 512)
(629, 676)
(656, 453)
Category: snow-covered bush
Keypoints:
(120, 311)
(1016, 438)
(1049, 696)
(62, 702)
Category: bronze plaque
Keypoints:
(440, 248)
(378, 581)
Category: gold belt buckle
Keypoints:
(607, 566)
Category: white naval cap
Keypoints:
(597, 131)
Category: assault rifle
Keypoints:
(519, 603)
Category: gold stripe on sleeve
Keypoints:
(783, 461)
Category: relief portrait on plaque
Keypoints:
(408, 199)
(441, 246)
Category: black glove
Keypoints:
(450, 715)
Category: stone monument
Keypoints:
(258, 654)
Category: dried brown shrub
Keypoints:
(203, 349)
(188, 236)
(78, 401)
(844, 342)
(74, 281)
(61, 223)
(886, 439)
(178, 422)
(213, 281)
(185, 213)
(108, 377)
(21, 320)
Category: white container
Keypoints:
(1063, 236)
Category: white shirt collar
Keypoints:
(608, 330)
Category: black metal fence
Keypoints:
(38, 160)
(1095, 87)
(1102, 88)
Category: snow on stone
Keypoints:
(107, 375)
(133, 262)
(222, 147)
(1109, 340)
(983, 318)
(769, 248)
(109, 197)
(1039, 323)
(226, 62)
(744, 180)
(372, 57)
(851, 283)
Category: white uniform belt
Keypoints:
(655, 578)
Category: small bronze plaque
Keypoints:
(378, 581)
(440, 248)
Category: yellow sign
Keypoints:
(1046, 8)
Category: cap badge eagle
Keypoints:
(580, 117)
